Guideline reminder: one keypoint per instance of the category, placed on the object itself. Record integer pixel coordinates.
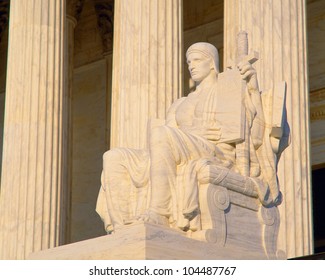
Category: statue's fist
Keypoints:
(248, 74)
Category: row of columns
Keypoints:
(147, 78)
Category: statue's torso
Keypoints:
(190, 112)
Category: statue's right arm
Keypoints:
(171, 114)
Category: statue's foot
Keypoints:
(109, 229)
(154, 218)
(130, 221)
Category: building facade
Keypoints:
(78, 77)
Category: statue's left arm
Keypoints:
(171, 114)
(253, 103)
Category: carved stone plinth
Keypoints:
(146, 241)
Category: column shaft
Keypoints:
(147, 68)
(277, 30)
(34, 130)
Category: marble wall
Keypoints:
(88, 43)
(89, 122)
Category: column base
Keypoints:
(144, 241)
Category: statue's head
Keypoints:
(202, 58)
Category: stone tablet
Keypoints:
(230, 106)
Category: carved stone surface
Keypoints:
(194, 178)
(142, 241)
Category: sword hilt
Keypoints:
(242, 45)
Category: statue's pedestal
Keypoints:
(144, 241)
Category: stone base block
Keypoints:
(144, 241)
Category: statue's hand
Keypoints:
(249, 75)
(212, 133)
(209, 131)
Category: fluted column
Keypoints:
(35, 122)
(277, 30)
(147, 68)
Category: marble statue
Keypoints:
(226, 134)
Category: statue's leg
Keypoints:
(163, 156)
(116, 183)
(101, 209)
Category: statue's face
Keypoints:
(199, 66)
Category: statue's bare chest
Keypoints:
(191, 108)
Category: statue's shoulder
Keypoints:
(176, 104)
(192, 94)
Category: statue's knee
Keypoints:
(159, 135)
(112, 156)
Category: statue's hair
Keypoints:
(207, 50)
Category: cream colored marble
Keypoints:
(144, 241)
(34, 127)
(89, 49)
(207, 138)
(212, 33)
(277, 30)
(147, 66)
